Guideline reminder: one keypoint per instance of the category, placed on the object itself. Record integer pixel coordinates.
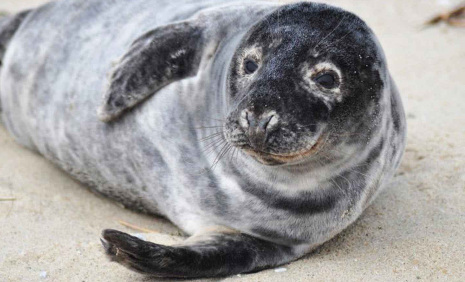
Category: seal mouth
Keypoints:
(277, 159)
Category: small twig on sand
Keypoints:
(145, 230)
(7, 199)
(456, 17)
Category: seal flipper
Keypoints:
(156, 59)
(215, 255)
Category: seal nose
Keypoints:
(258, 127)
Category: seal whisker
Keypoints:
(334, 182)
(322, 146)
(327, 49)
(231, 153)
(346, 134)
(228, 151)
(345, 178)
(213, 142)
(209, 127)
(339, 187)
(240, 101)
(211, 147)
(216, 119)
(237, 151)
(308, 125)
(210, 136)
(332, 31)
(358, 172)
(217, 133)
(220, 155)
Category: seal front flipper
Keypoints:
(156, 59)
(213, 254)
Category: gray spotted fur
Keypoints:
(57, 68)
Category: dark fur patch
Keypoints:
(218, 256)
(158, 58)
(288, 39)
(305, 203)
(8, 28)
(396, 119)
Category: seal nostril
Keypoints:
(257, 128)
(251, 120)
(244, 119)
(269, 122)
(263, 125)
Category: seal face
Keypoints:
(313, 68)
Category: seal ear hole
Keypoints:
(328, 80)
(250, 66)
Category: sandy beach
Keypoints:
(50, 224)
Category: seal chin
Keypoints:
(271, 159)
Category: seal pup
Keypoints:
(302, 118)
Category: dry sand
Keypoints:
(414, 231)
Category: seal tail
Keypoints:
(215, 254)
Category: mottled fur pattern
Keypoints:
(180, 113)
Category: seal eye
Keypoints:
(326, 80)
(250, 67)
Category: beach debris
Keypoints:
(456, 17)
(43, 274)
(137, 228)
(281, 269)
(7, 199)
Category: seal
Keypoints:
(260, 130)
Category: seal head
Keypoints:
(300, 74)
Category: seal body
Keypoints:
(262, 130)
